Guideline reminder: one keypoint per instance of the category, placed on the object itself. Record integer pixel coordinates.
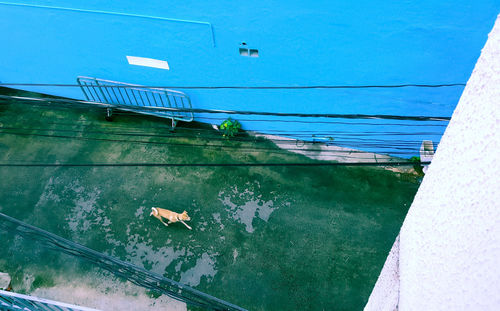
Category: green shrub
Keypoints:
(418, 168)
(230, 127)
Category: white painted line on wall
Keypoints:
(148, 62)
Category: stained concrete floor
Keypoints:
(264, 238)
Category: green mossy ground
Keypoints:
(264, 238)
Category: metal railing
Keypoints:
(13, 301)
(125, 95)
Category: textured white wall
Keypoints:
(449, 244)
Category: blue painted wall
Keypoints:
(320, 43)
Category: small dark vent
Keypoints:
(244, 52)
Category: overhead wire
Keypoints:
(316, 122)
(241, 87)
(122, 269)
(283, 132)
(216, 146)
(342, 138)
(243, 112)
(177, 134)
(217, 137)
(359, 141)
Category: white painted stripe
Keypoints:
(148, 62)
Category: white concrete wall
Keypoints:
(449, 244)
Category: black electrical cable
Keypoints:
(276, 121)
(342, 138)
(281, 87)
(242, 112)
(209, 134)
(130, 272)
(315, 122)
(304, 133)
(217, 146)
(339, 136)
